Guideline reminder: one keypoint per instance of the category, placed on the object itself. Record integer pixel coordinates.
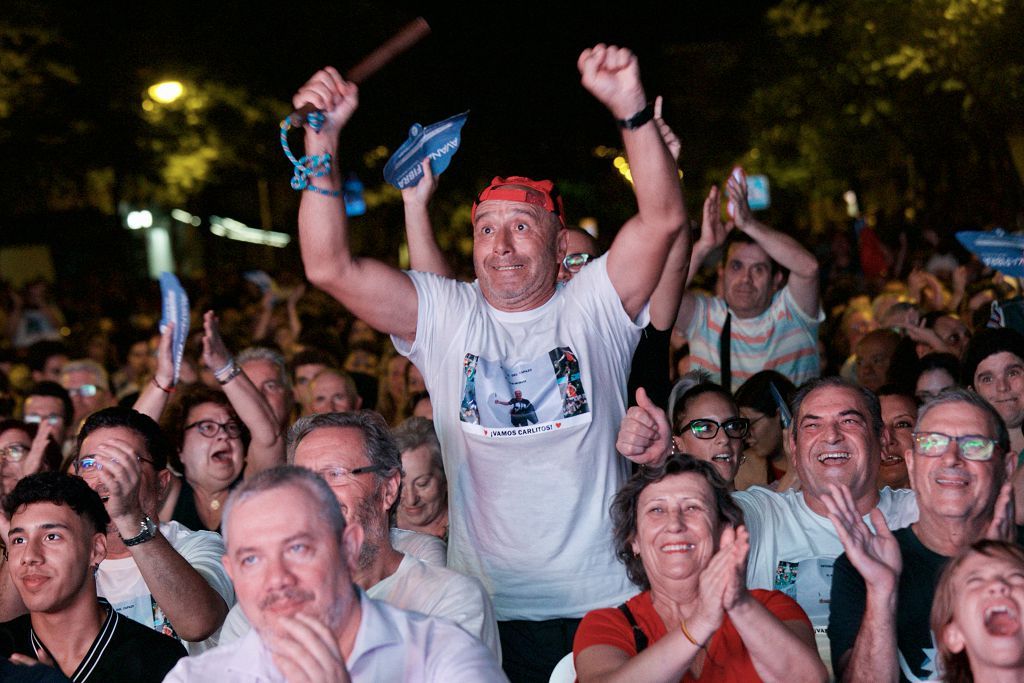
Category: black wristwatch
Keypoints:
(148, 531)
(638, 119)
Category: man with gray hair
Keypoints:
(88, 384)
(267, 370)
(292, 558)
(357, 457)
(883, 586)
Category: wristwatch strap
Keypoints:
(638, 119)
(148, 533)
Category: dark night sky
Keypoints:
(512, 65)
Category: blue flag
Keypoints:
(996, 249)
(439, 141)
(174, 303)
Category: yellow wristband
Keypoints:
(682, 627)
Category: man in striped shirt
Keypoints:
(769, 322)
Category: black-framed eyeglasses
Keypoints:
(342, 476)
(971, 446)
(14, 452)
(86, 465)
(210, 429)
(735, 428)
(575, 262)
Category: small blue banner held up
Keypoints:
(996, 249)
(174, 304)
(439, 141)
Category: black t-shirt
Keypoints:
(921, 569)
(123, 650)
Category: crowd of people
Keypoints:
(701, 455)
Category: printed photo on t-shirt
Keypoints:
(809, 583)
(539, 395)
(144, 610)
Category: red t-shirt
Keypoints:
(727, 658)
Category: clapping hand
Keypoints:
(215, 352)
(875, 555)
(1002, 527)
(712, 230)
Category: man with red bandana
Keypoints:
(528, 504)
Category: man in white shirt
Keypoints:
(357, 457)
(292, 559)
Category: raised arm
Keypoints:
(667, 294)
(154, 396)
(266, 449)
(424, 254)
(637, 257)
(712, 236)
(783, 249)
(381, 295)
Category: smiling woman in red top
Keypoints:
(681, 538)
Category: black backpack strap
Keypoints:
(639, 636)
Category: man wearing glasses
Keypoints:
(89, 386)
(356, 455)
(164, 576)
(883, 586)
(50, 403)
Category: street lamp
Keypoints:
(166, 92)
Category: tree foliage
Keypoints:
(910, 103)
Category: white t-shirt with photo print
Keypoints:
(527, 406)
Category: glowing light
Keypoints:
(166, 92)
(136, 220)
(185, 217)
(236, 230)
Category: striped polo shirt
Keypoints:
(783, 338)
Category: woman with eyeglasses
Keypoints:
(706, 423)
(218, 436)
